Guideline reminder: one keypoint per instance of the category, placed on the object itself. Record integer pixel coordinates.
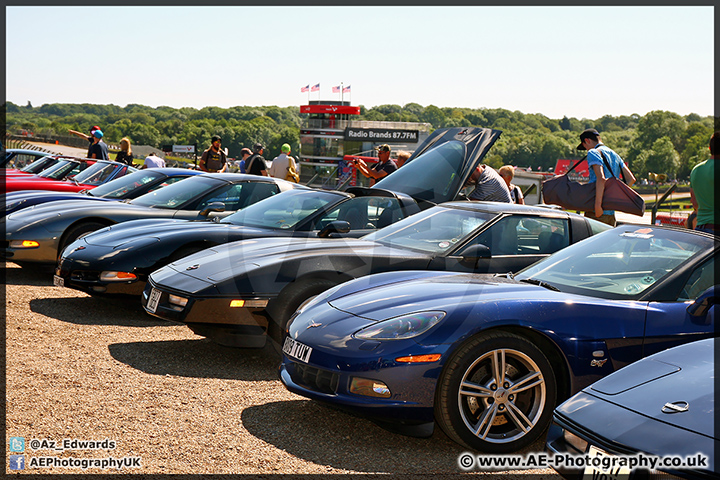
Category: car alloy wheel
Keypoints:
(496, 393)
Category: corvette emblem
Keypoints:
(598, 363)
(313, 324)
(193, 267)
(675, 407)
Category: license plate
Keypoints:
(58, 281)
(153, 300)
(601, 473)
(294, 349)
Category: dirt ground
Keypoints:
(87, 368)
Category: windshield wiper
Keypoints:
(540, 283)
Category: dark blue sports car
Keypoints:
(489, 356)
(662, 405)
(129, 186)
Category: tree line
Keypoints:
(659, 141)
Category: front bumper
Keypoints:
(210, 317)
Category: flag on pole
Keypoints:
(315, 88)
(305, 88)
(336, 89)
(346, 89)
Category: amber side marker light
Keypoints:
(24, 244)
(434, 357)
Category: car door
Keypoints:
(669, 324)
(515, 241)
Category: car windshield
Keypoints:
(62, 169)
(39, 165)
(120, 187)
(435, 231)
(432, 176)
(618, 264)
(283, 211)
(97, 173)
(176, 195)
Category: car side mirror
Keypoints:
(476, 252)
(338, 226)
(700, 307)
(213, 207)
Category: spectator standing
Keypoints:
(244, 154)
(282, 163)
(87, 137)
(702, 189)
(153, 161)
(256, 164)
(125, 154)
(402, 157)
(214, 159)
(98, 149)
(597, 152)
(489, 186)
(507, 172)
(381, 169)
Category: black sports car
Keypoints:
(129, 186)
(38, 234)
(230, 292)
(661, 407)
(95, 264)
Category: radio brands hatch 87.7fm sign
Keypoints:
(386, 135)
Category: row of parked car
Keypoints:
(407, 304)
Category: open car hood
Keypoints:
(439, 168)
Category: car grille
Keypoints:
(322, 381)
(82, 275)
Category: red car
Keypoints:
(70, 175)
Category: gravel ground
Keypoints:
(87, 368)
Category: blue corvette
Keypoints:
(489, 356)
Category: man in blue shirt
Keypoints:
(590, 141)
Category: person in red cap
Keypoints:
(87, 137)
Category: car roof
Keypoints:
(502, 207)
(28, 151)
(248, 177)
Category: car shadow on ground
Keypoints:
(198, 359)
(327, 436)
(96, 311)
(35, 275)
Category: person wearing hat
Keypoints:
(282, 163)
(244, 154)
(599, 158)
(256, 164)
(98, 149)
(381, 169)
(214, 159)
(87, 137)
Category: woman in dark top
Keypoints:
(125, 153)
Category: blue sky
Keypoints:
(582, 62)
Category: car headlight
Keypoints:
(402, 327)
(24, 244)
(117, 276)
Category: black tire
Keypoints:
(290, 299)
(491, 418)
(76, 232)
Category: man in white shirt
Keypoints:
(153, 161)
(280, 164)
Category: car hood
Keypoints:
(227, 261)
(162, 228)
(681, 374)
(79, 207)
(419, 291)
(429, 177)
